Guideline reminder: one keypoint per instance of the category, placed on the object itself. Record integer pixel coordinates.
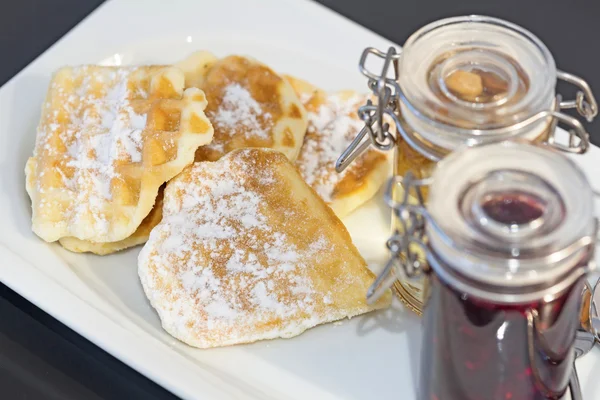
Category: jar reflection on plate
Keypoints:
(511, 241)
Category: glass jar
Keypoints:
(511, 239)
(464, 81)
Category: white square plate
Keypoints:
(369, 357)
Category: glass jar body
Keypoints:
(474, 349)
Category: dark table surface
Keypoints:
(42, 359)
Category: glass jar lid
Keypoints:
(510, 214)
(464, 78)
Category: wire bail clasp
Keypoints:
(584, 102)
(386, 91)
(411, 214)
(586, 106)
(578, 140)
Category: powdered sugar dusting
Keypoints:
(230, 265)
(99, 127)
(331, 128)
(117, 136)
(211, 216)
(239, 110)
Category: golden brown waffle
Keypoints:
(140, 236)
(247, 251)
(304, 89)
(249, 105)
(108, 138)
(332, 125)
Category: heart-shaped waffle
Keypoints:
(246, 251)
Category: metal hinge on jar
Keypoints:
(404, 262)
(584, 102)
(387, 91)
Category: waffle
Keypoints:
(304, 89)
(140, 236)
(332, 124)
(108, 138)
(195, 67)
(247, 251)
(249, 105)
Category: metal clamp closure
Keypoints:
(386, 90)
(579, 141)
(404, 262)
(584, 102)
(412, 216)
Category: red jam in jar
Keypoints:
(513, 208)
(476, 350)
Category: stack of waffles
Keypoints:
(226, 169)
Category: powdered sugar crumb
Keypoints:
(305, 97)
(239, 110)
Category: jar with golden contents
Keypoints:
(459, 82)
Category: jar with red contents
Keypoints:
(511, 238)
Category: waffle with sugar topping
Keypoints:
(249, 105)
(140, 236)
(332, 125)
(108, 138)
(247, 251)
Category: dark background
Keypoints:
(42, 359)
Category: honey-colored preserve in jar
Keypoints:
(463, 82)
